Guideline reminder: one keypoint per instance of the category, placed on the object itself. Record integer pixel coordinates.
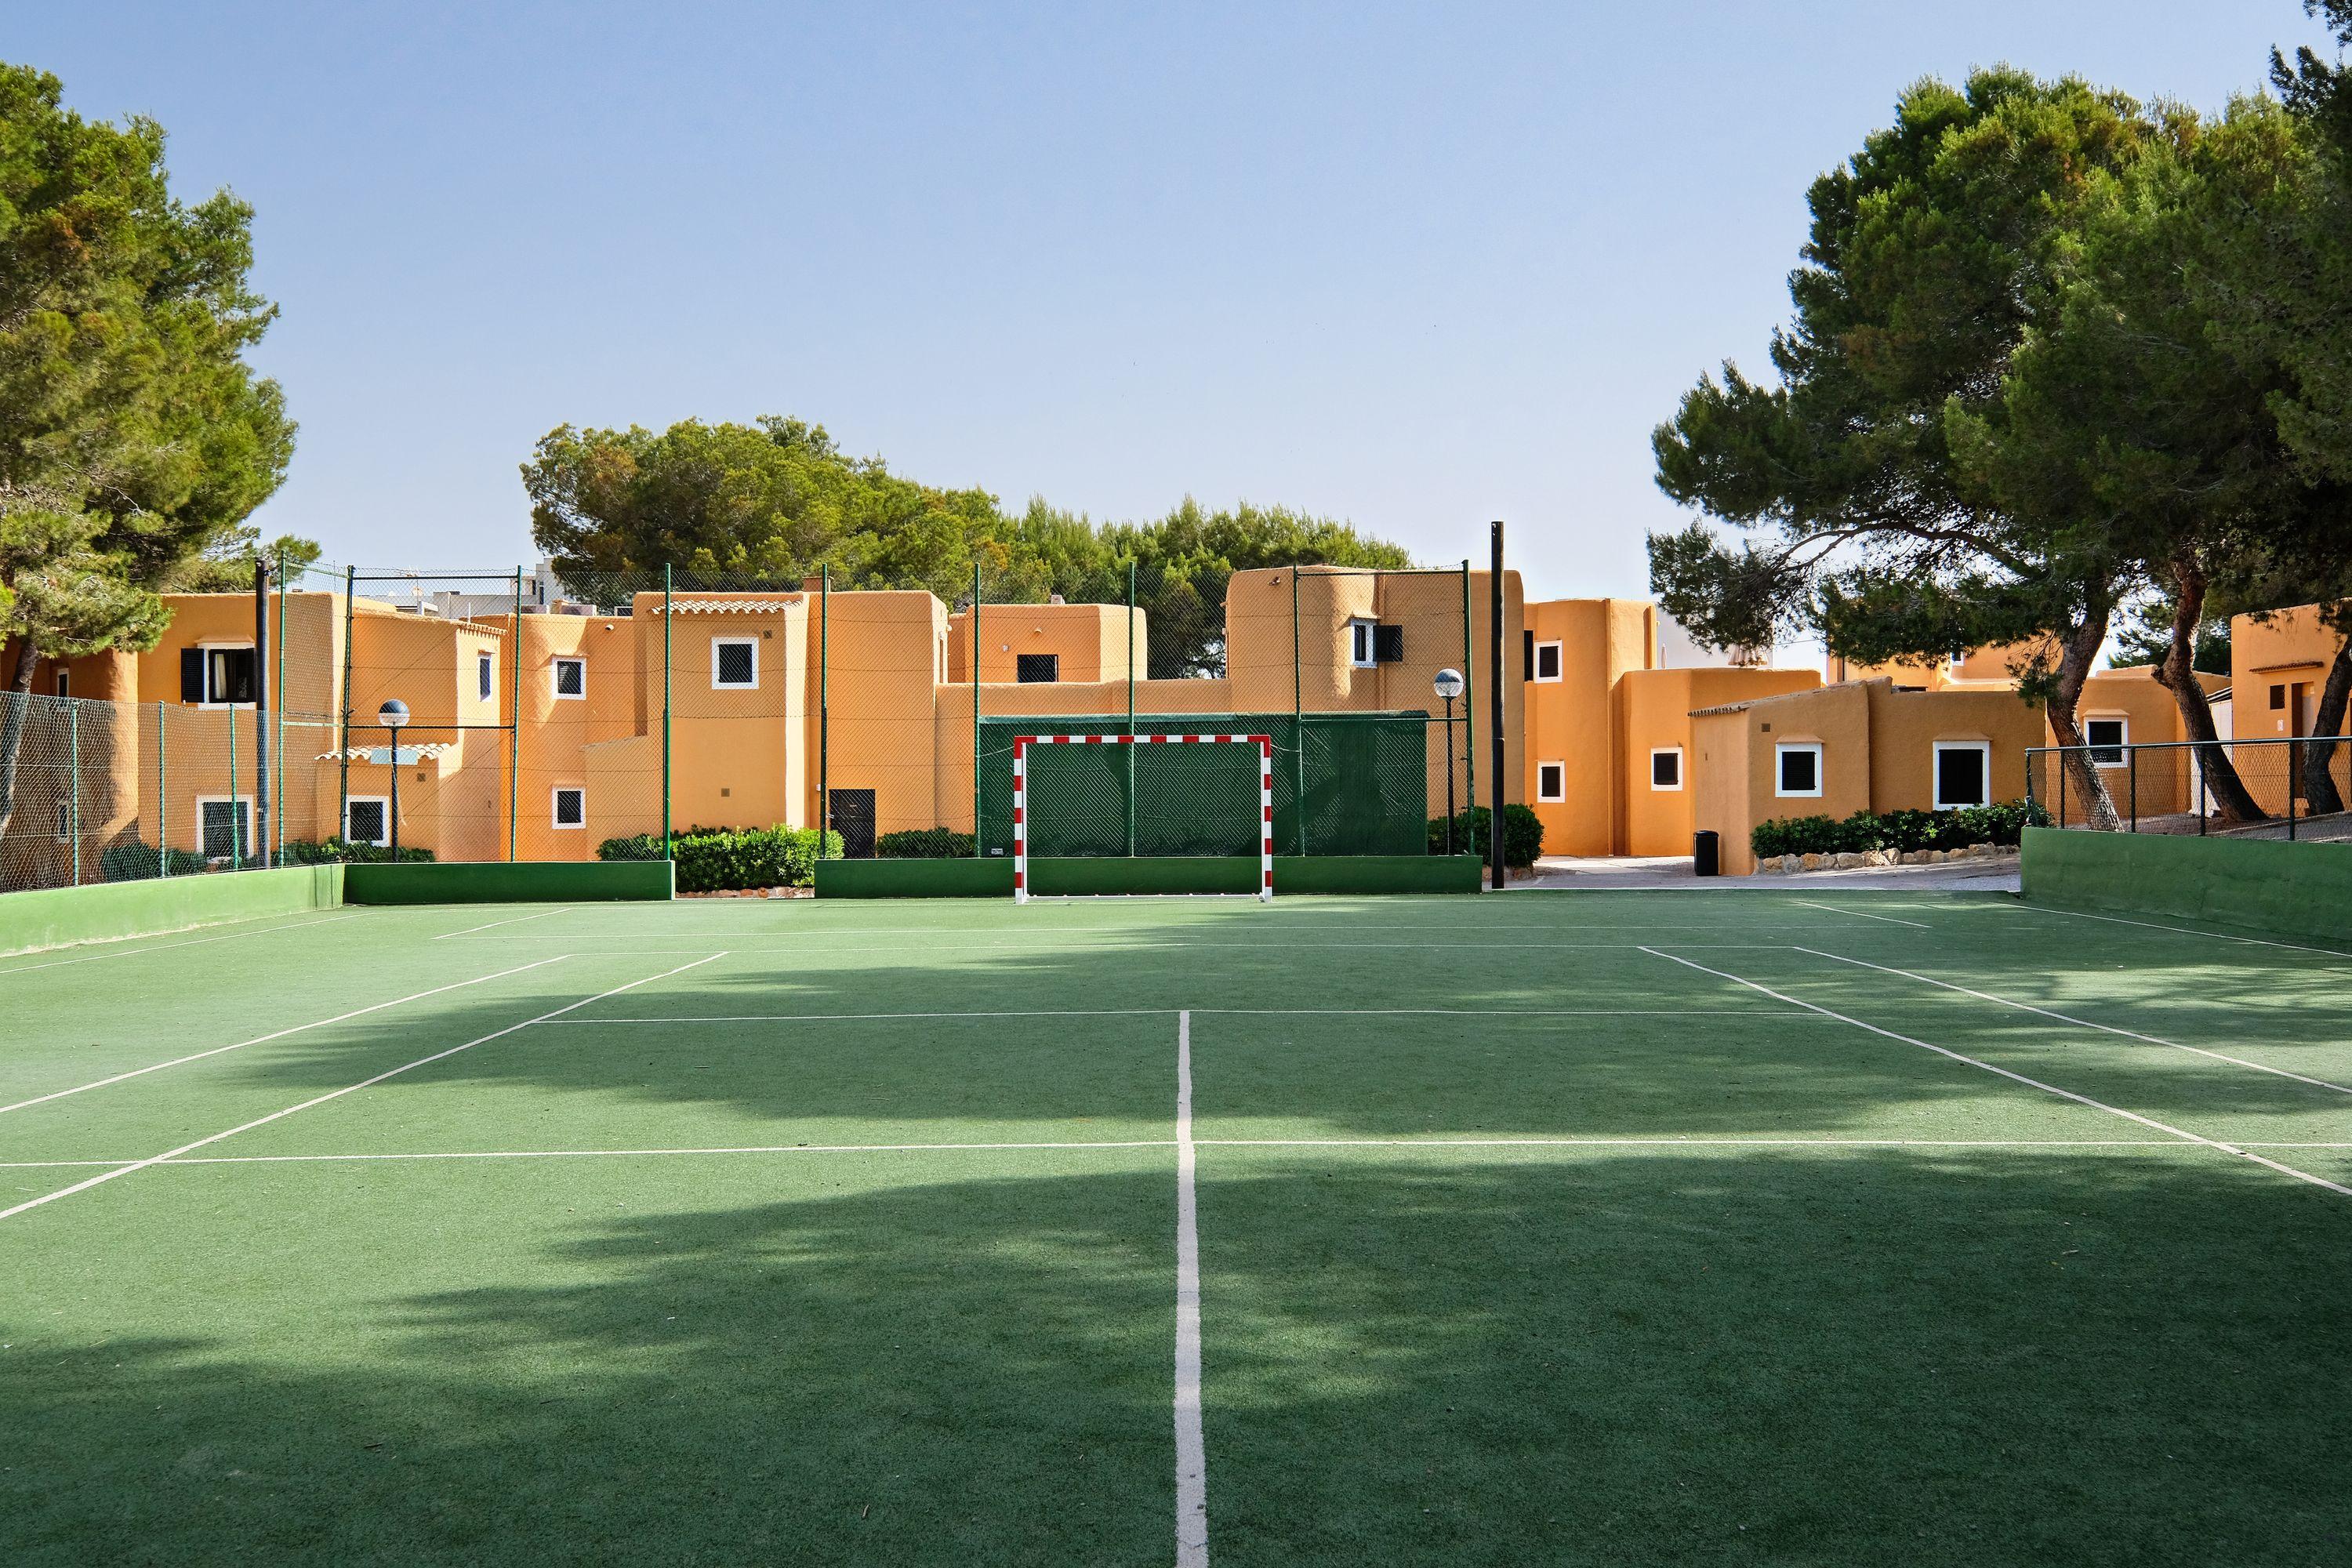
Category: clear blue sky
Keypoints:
(1411, 267)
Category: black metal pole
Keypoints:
(262, 697)
(1449, 776)
(395, 807)
(1501, 790)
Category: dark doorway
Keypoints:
(852, 810)
(1035, 667)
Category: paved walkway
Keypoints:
(1997, 875)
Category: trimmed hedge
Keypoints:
(1522, 835)
(717, 859)
(335, 851)
(926, 844)
(131, 860)
(1901, 831)
(134, 859)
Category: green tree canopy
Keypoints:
(133, 435)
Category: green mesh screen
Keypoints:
(1366, 778)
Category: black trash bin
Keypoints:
(1706, 853)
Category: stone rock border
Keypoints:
(1855, 860)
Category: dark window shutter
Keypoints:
(241, 672)
(1527, 656)
(192, 675)
(1388, 645)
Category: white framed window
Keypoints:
(486, 676)
(1361, 644)
(225, 826)
(227, 676)
(2108, 738)
(1551, 782)
(570, 806)
(570, 676)
(1797, 769)
(734, 664)
(1963, 773)
(367, 819)
(1547, 661)
(1666, 767)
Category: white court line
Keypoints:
(339, 1093)
(1228, 1012)
(795, 945)
(1861, 914)
(167, 946)
(260, 1039)
(2181, 931)
(1191, 1453)
(2081, 1022)
(607, 1154)
(1700, 1143)
(517, 921)
(2236, 1148)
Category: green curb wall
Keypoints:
(2292, 889)
(52, 917)
(506, 882)
(992, 878)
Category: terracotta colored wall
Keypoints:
(1905, 726)
(1572, 720)
(1722, 787)
(1091, 640)
(1653, 708)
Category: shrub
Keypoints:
(926, 844)
(714, 859)
(1901, 831)
(336, 851)
(1522, 833)
(130, 860)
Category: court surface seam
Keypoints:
(2214, 1144)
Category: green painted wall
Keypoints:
(992, 878)
(506, 882)
(2287, 889)
(52, 917)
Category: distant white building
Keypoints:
(1677, 650)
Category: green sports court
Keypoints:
(1642, 1227)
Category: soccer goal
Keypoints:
(1024, 799)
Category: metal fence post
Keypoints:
(823, 706)
(514, 724)
(163, 799)
(236, 846)
(978, 848)
(73, 804)
(668, 619)
(1469, 700)
(278, 794)
(1131, 747)
(2131, 766)
(343, 741)
(1297, 722)
(2200, 795)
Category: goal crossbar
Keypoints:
(1021, 744)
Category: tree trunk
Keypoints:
(2078, 649)
(2178, 673)
(15, 706)
(2319, 783)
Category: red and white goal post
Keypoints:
(1021, 744)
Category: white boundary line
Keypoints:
(517, 921)
(1861, 914)
(2180, 930)
(260, 1039)
(1221, 1012)
(339, 1093)
(1191, 1453)
(2081, 1022)
(167, 946)
(867, 1017)
(2236, 1148)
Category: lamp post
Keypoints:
(1449, 686)
(393, 716)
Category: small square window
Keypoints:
(1551, 782)
(367, 819)
(1388, 645)
(1963, 772)
(1361, 643)
(225, 827)
(1547, 661)
(1666, 767)
(734, 664)
(2107, 738)
(485, 675)
(1798, 768)
(571, 677)
(2278, 696)
(570, 808)
(1037, 668)
(216, 677)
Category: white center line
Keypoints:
(1863, 914)
(260, 1039)
(2237, 1149)
(1191, 1453)
(517, 921)
(2080, 1023)
(338, 1093)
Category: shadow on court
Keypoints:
(1854, 1357)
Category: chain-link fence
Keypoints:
(2296, 788)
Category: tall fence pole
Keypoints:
(1297, 722)
(343, 734)
(1495, 706)
(263, 691)
(1131, 747)
(823, 706)
(235, 817)
(73, 806)
(978, 847)
(278, 794)
(162, 800)
(667, 621)
(1469, 701)
(514, 723)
